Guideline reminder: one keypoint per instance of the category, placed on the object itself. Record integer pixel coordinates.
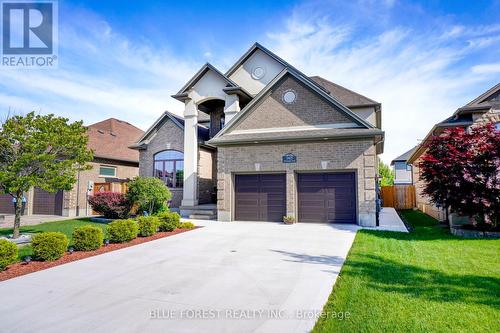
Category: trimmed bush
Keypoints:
(111, 205)
(8, 253)
(121, 231)
(149, 193)
(148, 225)
(169, 221)
(187, 225)
(49, 246)
(87, 238)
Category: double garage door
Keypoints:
(321, 197)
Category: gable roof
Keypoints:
(404, 157)
(182, 94)
(485, 101)
(111, 139)
(323, 94)
(141, 143)
(462, 117)
(346, 96)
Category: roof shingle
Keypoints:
(111, 138)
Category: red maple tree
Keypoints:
(461, 170)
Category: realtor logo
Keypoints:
(29, 30)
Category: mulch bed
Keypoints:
(21, 268)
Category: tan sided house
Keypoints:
(483, 109)
(113, 166)
(263, 140)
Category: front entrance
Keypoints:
(102, 187)
(260, 197)
(327, 197)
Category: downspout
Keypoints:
(78, 195)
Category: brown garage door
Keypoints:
(260, 197)
(46, 203)
(6, 205)
(327, 197)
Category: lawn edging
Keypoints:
(21, 268)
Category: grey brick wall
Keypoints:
(170, 136)
(350, 155)
(308, 109)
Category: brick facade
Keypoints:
(171, 136)
(354, 155)
(75, 201)
(307, 109)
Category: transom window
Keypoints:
(169, 167)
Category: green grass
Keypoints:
(65, 226)
(424, 281)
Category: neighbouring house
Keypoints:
(403, 171)
(483, 109)
(114, 164)
(263, 140)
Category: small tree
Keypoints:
(386, 174)
(461, 170)
(43, 151)
(149, 193)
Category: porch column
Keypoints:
(190, 190)
(231, 107)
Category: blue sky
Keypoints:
(124, 59)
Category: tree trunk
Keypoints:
(18, 211)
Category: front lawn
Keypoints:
(424, 281)
(65, 226)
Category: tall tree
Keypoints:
(386, 174)
(461, 170)
(43, 151)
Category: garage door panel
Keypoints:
(327, 197)
(268, 197)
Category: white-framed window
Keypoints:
(107, 171)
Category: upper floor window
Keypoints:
(107, 171)
(169, 167)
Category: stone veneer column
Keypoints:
(190, 190)
(231, 107)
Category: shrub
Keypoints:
(149, 193)
(110, 204)
(49, 246)
(187, 225)
(288, 219)
(121, 231)
(8, 253)
(87, 238)
(169, 221)
(148, 225)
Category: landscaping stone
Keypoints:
(467, 233)
(22, 239)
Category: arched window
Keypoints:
(169, 167)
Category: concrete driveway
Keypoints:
(225, 277)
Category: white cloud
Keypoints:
(486, 68)
(414, 74)
(101, 74)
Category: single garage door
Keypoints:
(327, 197)
(260, 197)
(46, 203)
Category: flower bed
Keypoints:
(19, 269)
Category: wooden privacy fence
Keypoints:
(398, 196)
